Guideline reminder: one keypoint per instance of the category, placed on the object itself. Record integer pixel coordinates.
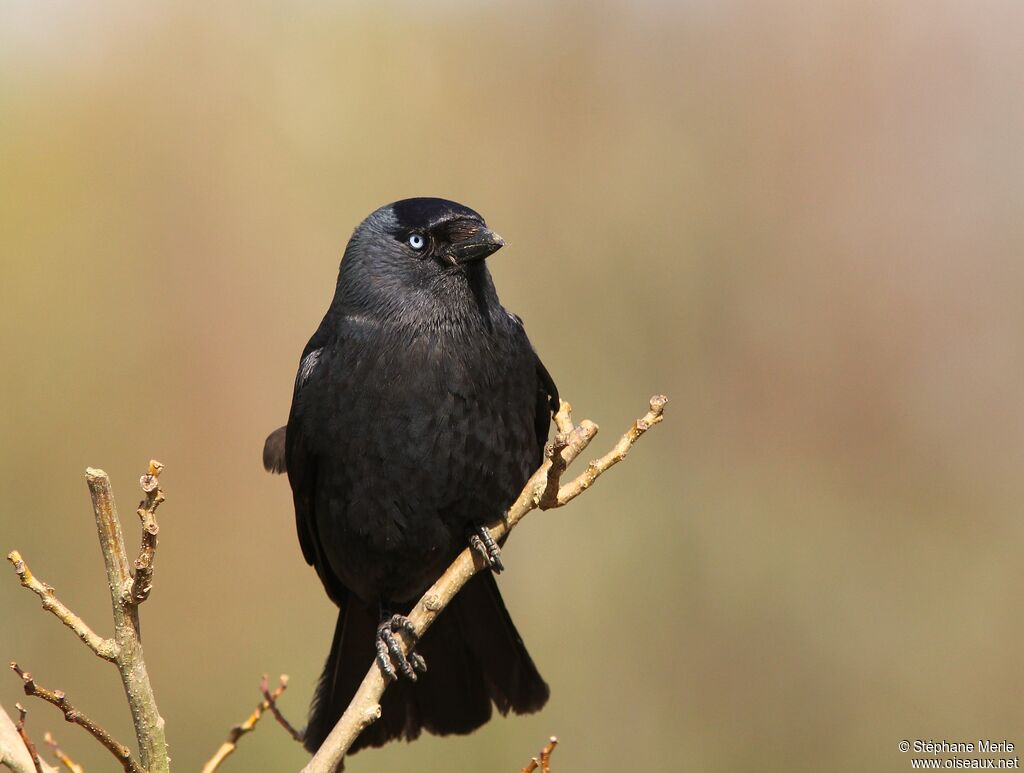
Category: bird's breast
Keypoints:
(424, 437)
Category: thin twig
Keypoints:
(149, 725)
(13, 754)
(271, 699)
(150, 482)
(544, 761)
(364, 708)
(31, 747)
(121, 752)
(104, 648)
(64, 759)
(595, 468)
(248, 725)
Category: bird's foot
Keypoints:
(482, 542)
(389, 651)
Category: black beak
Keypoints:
(476, 247)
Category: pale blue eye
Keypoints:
(416, 241)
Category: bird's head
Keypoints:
(423, 247)
(441, 231)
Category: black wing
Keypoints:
(547, 393)
(302, 463)
(547, 401)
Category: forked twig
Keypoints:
(231, 743)
(124, 648)
(543, 762)
(271, 700)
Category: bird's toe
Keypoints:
(390, 658)
(482, 542)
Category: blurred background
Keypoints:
(802, 222)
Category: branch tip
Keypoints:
(236, 732)
(62, 758)
(597, 467)
(103, 648)
(563, 417)
(543, 762)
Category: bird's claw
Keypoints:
(389, 651)
(482, 542)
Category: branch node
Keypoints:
(271, 700)
(553, 452)
(432, 603)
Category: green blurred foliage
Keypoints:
(800, 221)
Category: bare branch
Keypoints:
(143, 582)
(13, 754)
(121, 752)
(64, 759)
(249, 724)
(594, 470)
(544, 761)
(31, 747)
(149, 725)
(104, 648)
(271, 700)
(365, 706)
(108, 526)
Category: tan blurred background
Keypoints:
(802, 221)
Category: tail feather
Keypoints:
(512, 679)
(352, 645)
(474, 657)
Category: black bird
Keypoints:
(420, 410)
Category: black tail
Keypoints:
(474, 658)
